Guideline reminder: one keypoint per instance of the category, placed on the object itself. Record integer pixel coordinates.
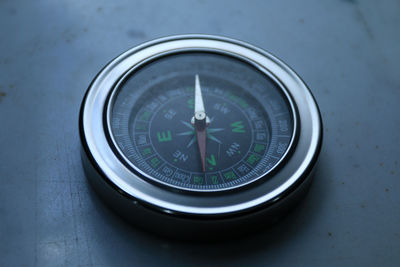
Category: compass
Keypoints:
(196, 134)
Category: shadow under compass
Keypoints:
(230, 249)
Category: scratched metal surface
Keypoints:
(347, 52)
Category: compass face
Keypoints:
(247, 129)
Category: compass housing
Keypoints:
(133, 195)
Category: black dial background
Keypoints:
(150, 121)
(187, 157)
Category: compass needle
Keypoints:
(200, 122)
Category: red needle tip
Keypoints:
(201, 141)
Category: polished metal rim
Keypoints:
(295, 169)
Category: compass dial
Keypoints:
(197, 135)
(249, 128)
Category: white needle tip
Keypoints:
(198, 97)
(197, 82)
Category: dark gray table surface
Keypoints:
(348, 52)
